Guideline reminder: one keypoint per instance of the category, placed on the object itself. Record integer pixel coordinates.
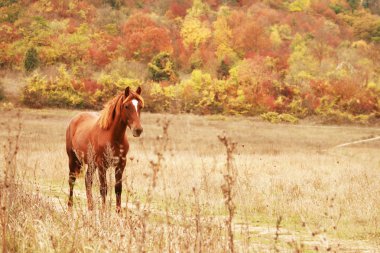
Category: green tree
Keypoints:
(116, 4)
(31, 61)
(161, 68)
(5, 3)
(223, 70)
(302, 64)
(354, 4)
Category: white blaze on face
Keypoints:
(135, 103)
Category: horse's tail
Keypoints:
(74, 161)
(69, 145)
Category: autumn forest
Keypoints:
(282, 60)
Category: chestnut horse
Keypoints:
(90, 136)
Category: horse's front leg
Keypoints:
(103, 185)
(119, 183)
(88, 182)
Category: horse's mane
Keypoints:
(112, 108)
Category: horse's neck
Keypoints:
(118, 129)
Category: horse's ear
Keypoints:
(138, 91)
(126, 92)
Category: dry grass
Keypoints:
(328, 199)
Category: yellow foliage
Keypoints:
(360, 44)
(223, 36)
(194, 31)
(299, 5)
(278, 33)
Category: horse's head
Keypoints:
(132, 105)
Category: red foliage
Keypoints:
(4, 59)
(262, 95)
(213, 3)
(181, 54)
(113, 43)
(137, 23)
(311, 101)
(281, 56)
(72, 26)
(177, 9)
(269, 102)
(76, 85)
(363, 103)
(102, 50)
(86, 85)
(320, 88)
(322, 7)
(8, 33)
(143, 38)
(98, 56)
(344, 89)
(90, 86)
(264, 15)
(349, 96)
(207, 52)
(301, 22)
(89, 9)
(353, 98)
(75, 10)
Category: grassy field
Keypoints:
(293, 191)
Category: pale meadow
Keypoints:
(321, 198)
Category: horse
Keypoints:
(90, 135)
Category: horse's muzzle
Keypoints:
(137, 132)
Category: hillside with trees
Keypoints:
(283, 60)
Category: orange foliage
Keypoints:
(247, 35)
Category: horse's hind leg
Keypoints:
(74, 166)
(88, 182)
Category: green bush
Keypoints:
(333, 116)
(110, 86)
(203, 94)
(31, 61)
(337, 8)
(40, 92)
(275, 117)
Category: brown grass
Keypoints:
(328, 199)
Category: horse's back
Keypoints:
(79, 130)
